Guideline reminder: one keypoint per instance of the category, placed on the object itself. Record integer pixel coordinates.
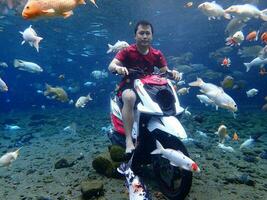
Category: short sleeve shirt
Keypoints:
(130, 57)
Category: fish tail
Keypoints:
(48, 89)
(109, 48)
(248, 66)
(196, 83)
(263, 15)
(258, 135)
(159, 148)
(17, 63)
(36, 43)
(93, 2)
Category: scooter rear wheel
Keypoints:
(174, 182)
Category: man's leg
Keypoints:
(128, 99)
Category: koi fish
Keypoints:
(50, 8)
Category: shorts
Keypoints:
(124, 85)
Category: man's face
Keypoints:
(143, 36)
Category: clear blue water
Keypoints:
(178, 30)
(83, 38)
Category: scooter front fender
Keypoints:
(168, 124)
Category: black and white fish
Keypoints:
(136, 187)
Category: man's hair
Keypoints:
(143, 23)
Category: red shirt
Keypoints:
(130, 57)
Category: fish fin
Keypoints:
(109, 48)
(159, 149)
(196, 83)
(173, 164)
(22, 42)
(49, 11)
(81, 2)
(248, 66)
(257, 35)
(93, 2)
(21, 32)
(67, 14)
(227, 16)
(217, 107)
(36, 43)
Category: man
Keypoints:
(142, 56)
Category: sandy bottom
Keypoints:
(33, 174)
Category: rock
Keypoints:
(117, 153)
(104, 165)
(199, 118)
(216, 165)
(242, 179)
(92, 188)
(63, 163)
(43, 198)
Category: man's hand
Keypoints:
(176, 75)
(122, 70)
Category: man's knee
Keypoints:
(128, 96)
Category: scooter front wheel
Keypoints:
(174, 182)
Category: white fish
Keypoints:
(213, 10)
(183, 91)
(72, 128)
(12, 127)
(222, 133)
(206, 100)
(136, 188)
(236, 39)
(216, 94)
(176, 158)
(3, 64)
(226, 148)
(89, 83)
(252, 92)
(255, 62)
(180, 83)
(27, 66)
(119, 45)
(3, 86)
(99, 74)
(8, 158)
(248, 143)
(29, 35)
(82, 101)
(246, 12)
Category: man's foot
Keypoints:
(129, 146)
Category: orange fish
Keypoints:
(252, 36)
(235, 137)
(226, 62)
(49, 8)
(264, 37)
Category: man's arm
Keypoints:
(117, 66)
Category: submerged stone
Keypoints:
(117, 153)
(92, 188)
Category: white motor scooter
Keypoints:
(156, 118)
